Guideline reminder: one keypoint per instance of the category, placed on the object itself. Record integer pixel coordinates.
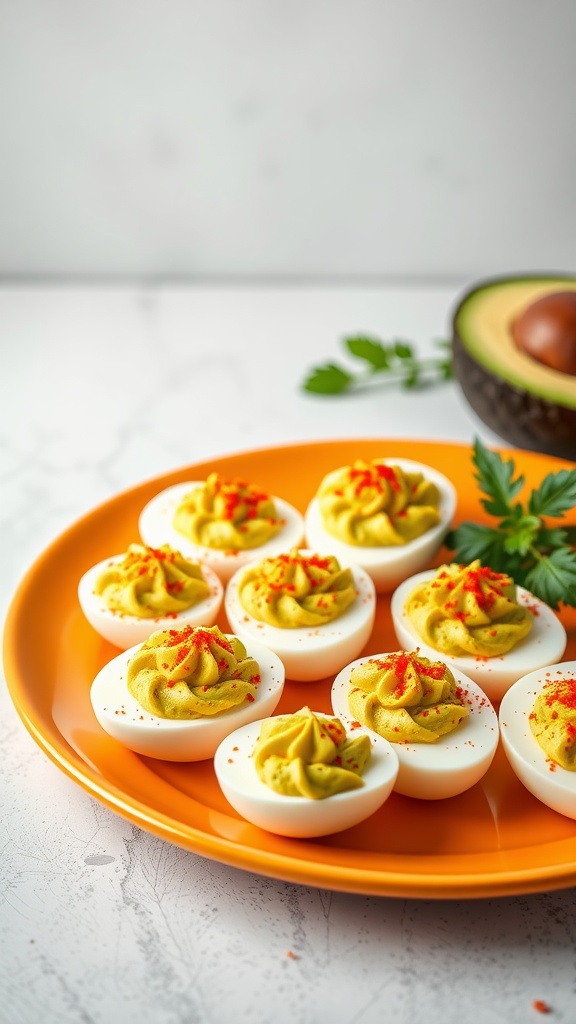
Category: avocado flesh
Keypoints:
(523, 401)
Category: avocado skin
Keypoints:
(518, 415)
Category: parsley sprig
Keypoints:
(537, 555)
(397, 360)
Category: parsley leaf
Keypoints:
(373, 351)
(397, 361)
(536, 554)
(495, 478)
(474, 540)
(328, 380)
(553, 577)
(556, 537)
(403, 350)
(556, 494)
(522, 534)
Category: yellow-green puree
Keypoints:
(295, 590)
(229, 515)
(192, 672)
(310, 755)
(406, 698)
(374, 504)
(468, 610)
(553, 721)
(151, 582)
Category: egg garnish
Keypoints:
(442, 725)
(221, 523)
(129, 596)
(302, 775)
(479, 622)
(176, 696)
(315, 615)
(538, 729)
(388, 516)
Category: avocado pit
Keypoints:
(546, 331)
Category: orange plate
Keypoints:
(495, 839)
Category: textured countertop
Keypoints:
(102, 388)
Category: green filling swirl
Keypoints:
(295, 590)
(374, 504)
(309, 755)
(192, 673)
(468, 610)
(151, 582)
(406, 698)
(227, 515)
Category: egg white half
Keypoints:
(168, 739)
(450, 765)
(548, 782)
(309, 652)
(299, 816)
(388, 565)
(544, 644)
(155, 525)
(128, 630)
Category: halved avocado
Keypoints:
(528, 403)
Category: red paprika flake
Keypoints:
(534, 608)
(541, 1007)
(373, 476)
(473, 580)
(401, 661)
(562, 691)
(388, 474)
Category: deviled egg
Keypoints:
(221, 523)
(129, 596)
(313, 614)
(176, 696)
(389, 516)
(442, 726)
(300, 775)
(478, 622)
(538, 729)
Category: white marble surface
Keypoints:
(100, 921)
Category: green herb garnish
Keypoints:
(397, 360)
(537, 556)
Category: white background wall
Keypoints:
(416, 138)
